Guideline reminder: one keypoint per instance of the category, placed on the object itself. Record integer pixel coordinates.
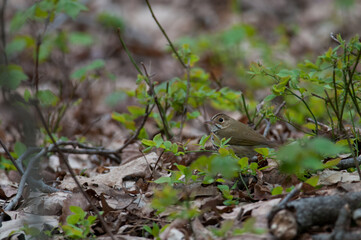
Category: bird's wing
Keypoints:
(249, 137)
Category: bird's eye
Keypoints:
(220, 120)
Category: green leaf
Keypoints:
(73, 219)
(11, 76)
(82, 72)
(158, 140)
(163, 180)
(332, 163)
(326, 147)
(27, 95)
(148, 229)
(148, 142)
(203, 140)
(110, 21)
(47, 98)
(91, 219)
(167, 145)
(17, 45)
(136, 111)
(277, 190)
(174, 148)
(155, 229)
(80, 38)
(115, 98)
(77, 210)
(270, 97)
(71, 8)
(262, 151)
(313, 181)
(243, 162)
(225, 191)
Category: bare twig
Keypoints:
(20, 169)
(16, 199)
(334, 38)
(159, 106)
(3, 33)
(268, 126)
(319, 123)
(276, 113)
(318, 96)
(245, 109)
(36, 69)
(278, 110)
(308, 108)
(156, 164)
(128, 53)
(166, 36)
(71, 171)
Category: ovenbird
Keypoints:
(243, 139)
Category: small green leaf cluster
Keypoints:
(158, 142)
(78, 226)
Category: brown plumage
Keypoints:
(243, 138)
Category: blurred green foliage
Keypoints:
(304, 155)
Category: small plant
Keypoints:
(154, 230)
(78, 226)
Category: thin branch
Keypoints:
(165, 35)
(20, 169)
(279, 108)
(346, 87)
(276, 113)
(3, 33)
(295, 126)
(318, 96)
(268, 127)
(159, 106)
(128, 53)
(156, 164)
(334, 38)
(334, 85)
(308, 108)
(16, 199)
(71, 171)
(245, 108)
(319, 123)
(36, 69)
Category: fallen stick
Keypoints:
(297, 216)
